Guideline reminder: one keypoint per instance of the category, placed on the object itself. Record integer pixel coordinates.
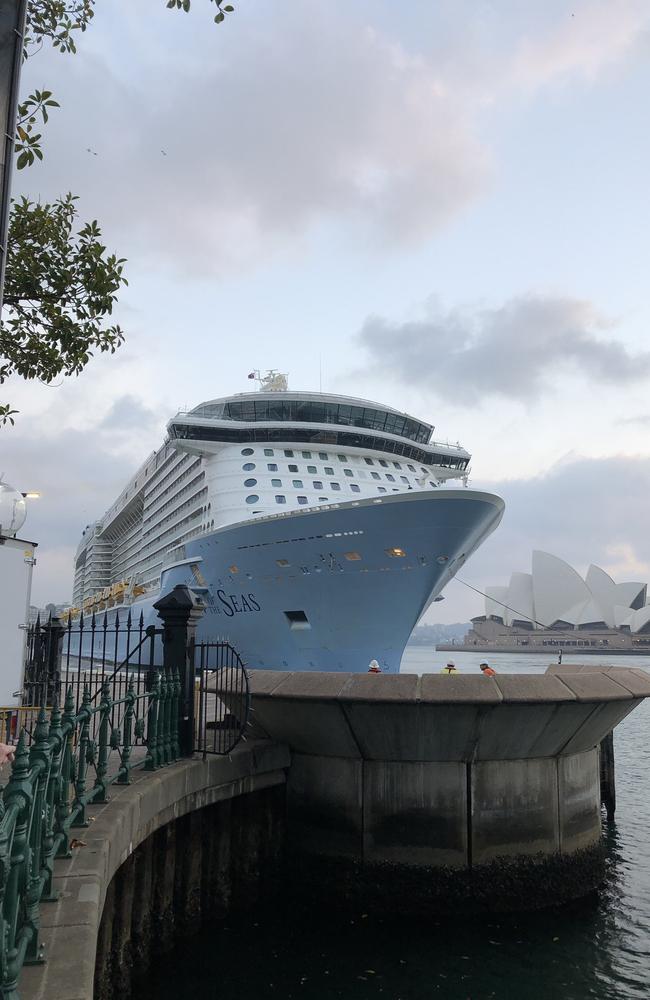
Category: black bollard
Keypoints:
(608, 776)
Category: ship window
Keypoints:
(355, 488)
(293, 468)
(328, 471)
(369, 461)
(412, 468)
(317, 484)
(432, 484)
(268, 451)
(323, 456)
(312, 469)
(375, 475)
(297, 483)
(306, 454)
(323, 499)
(247, 451)
(348, 472)
(335, 486)
(382, 489)
(384, 463)
(342, 458)
(424, 470)
(397, 465)
(248, 466)
(288, 453)
(252, 498)
(302, 500)
(390, 477)
(352, 556)
(276, 482)
(404, 479)
(272, 467)
(280, 499)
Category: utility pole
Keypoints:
(12, 30)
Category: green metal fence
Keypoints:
(57, 772)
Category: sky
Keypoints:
(441, 207)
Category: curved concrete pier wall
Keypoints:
(474, 774)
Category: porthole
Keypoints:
(323, 456)
(276, 482)
(248, 466)
(250, 482)
(252, 498)
(306, 454)
(317, 484)
(302, 500)
(347, 472)
(268, 452)
(280, 499)
(355, 488)
(297, 483)
(247, 451)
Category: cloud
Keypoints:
(516, 351)
(79, 471)
(276, 126)
(642, 420)
(584, 510)
(305, 121)
(584, 40)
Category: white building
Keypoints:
(555, 596)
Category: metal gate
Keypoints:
(223, 708)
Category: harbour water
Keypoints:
(598, 949)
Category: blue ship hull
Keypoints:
(327, 588)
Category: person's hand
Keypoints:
(7, 753)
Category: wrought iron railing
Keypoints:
(57, 772)
(128, 694)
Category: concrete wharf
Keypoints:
(420, 794)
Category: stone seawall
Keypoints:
(192, 841)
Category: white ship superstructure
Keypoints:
(313, 469)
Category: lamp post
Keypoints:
(12, 30)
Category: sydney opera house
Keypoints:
(554, 606)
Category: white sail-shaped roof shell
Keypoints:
(604, 591)
(622, 615)
(629, 593)
(557, 588)
(520, 599)
(640, 621)
(495, 598)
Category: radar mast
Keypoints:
(273, 381)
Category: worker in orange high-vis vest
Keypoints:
(487, 670)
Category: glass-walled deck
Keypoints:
(316, 412)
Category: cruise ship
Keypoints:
(316, 528)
